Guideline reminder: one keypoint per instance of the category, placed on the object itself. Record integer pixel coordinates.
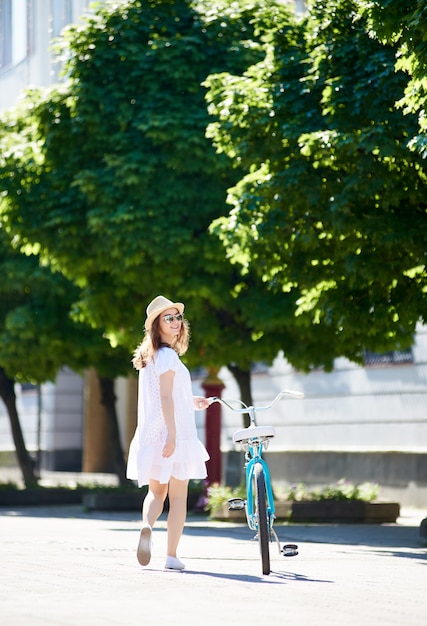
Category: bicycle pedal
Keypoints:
(290, 549)
(236, 504)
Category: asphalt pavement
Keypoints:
(63, 566)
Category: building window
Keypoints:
(25, 387)
(5, 33)
(15, 31)
(395, 357)
(60, 16)
(61, 13)
(30, 27)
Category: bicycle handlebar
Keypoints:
(245, 409)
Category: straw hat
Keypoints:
(157, 306)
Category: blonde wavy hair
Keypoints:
(152, 342)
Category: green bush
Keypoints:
(217, 495)
(341, 490)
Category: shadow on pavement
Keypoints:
(275, 578)
(405, 539)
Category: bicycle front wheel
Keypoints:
(263, 524)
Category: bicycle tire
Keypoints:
(263, 525)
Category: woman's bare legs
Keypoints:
(178, 492)
(151, 509)
(153, 502)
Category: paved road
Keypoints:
(61, 566)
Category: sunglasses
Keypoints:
(170, 318)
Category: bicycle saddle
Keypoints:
(253, 432)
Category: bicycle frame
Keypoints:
(253, 455)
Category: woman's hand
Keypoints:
(201, 403)
(169, 447)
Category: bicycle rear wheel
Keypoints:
(263, 524)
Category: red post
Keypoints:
(213, 386)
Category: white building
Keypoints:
(364, 424)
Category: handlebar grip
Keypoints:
(294, 394)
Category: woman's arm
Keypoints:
(168, 409)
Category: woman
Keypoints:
(165, 451)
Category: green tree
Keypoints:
(333, 201)
(38, 335)
(117, 180)
(402, 23)
(111, 175)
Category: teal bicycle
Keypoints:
(259, 502)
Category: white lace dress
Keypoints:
(145, 459)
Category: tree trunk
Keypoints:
(108, 399)
(26, 463)
(243, 379)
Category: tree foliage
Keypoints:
(111, 179)
(38, 336)
(333, 201)
(403, 23)
(117, 181)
